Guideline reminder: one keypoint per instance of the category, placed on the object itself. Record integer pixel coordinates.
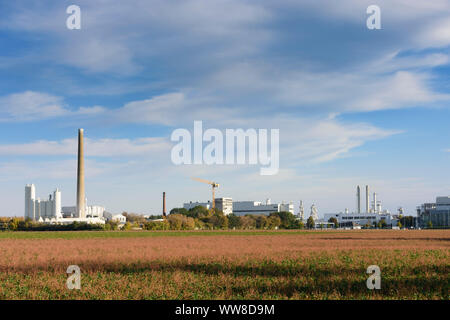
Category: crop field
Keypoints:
(414, 264)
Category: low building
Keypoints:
(223, 204)
(241, 208)
(437, 214)
(120, 218)
(361, 219)
(191, 205)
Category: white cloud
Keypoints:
(435, 34)
(99, 55)
(326, 92)
(162, 109)
(94, 148)
(36, 106)
(30, 105)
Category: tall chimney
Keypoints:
(367, 199)
(358, 199)
(164, 204)
(81, 205)
(375, 202)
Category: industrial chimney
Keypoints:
(367, 199)
(164, 204)
(81, 205)
(358, 199)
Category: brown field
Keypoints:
(415, 264)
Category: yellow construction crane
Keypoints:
(213, 185)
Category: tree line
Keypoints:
(200, 218)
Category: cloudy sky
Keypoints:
(353, 105)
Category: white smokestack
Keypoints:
(358, 199)
(367, 199)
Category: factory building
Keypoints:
(361, 219)
(223, 204)
(374, 213)
(437, 213)
(91, 212)
(37, 209)
(120, 218)
(51, 211)
(241, 208)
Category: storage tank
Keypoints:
(57, 204)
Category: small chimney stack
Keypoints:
(164, 204)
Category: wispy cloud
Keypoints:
(35, 106)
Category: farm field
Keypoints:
(415, 264)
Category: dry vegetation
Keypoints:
(313, 265)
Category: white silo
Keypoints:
(374, 208)
(30, 195)
(301, 212)
(57, 204)
(37, 209)
(367, 199)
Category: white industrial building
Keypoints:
(437, 213)
(51, 211)
(91, 211)
(120, 218)
(223, 204)
(241, 208)
(373, 214)
(37, 209)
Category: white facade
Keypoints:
(241, 208)
(51, 211)
(361, 218)
(115, 217)
(37, 209)
(223, 204)
(190, 205)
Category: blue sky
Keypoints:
(353, 106)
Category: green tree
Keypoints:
(273, 222)
(310, 223)
(126, 226)
(182, 211)
(382, 224)
(334, 220)
(248, 222)
(430, 224)
(261, 222)
(288, 220)
(301, 224)
(234, 222)
(13, 224)
(218, 220)
(175, 221)
(198, 212)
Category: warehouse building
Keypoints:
(242, 208)
(436, 215)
